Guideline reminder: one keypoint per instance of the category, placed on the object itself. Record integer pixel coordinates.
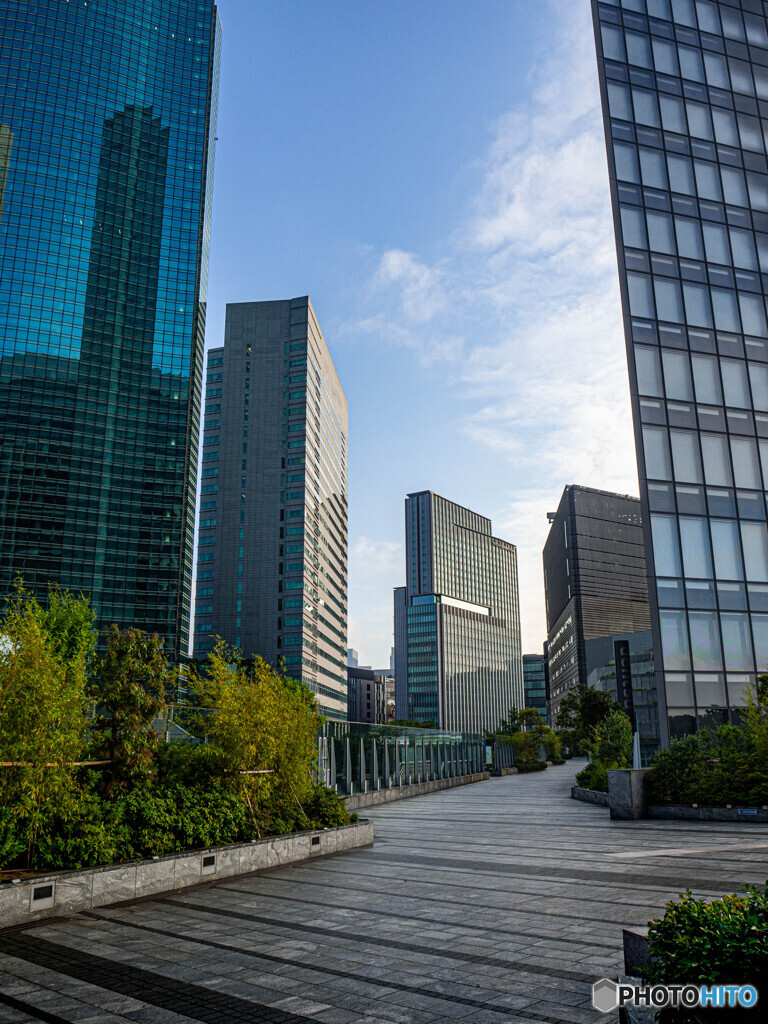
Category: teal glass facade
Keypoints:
(535, 682)
(107, 126)
(684, 88)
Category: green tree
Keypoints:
(43, 712)
(580, 711)
(508, 726)
(264, 726)
(129, 687)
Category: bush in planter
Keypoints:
(702, 943)
(609, 748)
(594, 776)
(712, 768)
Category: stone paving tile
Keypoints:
(498, 902)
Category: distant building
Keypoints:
(535, 682)
(272, 548)
(366, 696)
(594, 580)
(457, 622)
(353, 658)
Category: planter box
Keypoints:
(687, 812)
(69, 892)
(589, 796)
(383, 796)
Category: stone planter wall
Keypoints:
(69, 892)
(589, 796)
(688, 812)
(383, 796)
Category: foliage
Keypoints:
(611, 742)
(700, 942)
(728, 765)
(528, 733)
(325, 808)
(593, 776)
(130, 681)
(153, 799)
(263, 724)
(715, 768)
(609, 747)
(43, 706)
(580, 711)
(508, 726)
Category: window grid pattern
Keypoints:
(107, 124)
(685, 93)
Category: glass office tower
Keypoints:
(107, 125)
(685, 96)
(458, 658)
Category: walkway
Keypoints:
(497, 902)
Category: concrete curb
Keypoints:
(589, 796)
(69, 892)
(383, 796)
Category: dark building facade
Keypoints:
(624, 667)
(594, 580)
(107, 125)
(457, 620)
(366, 696)
(272, 539)
(535, 682)
(684, 88)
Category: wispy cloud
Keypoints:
(531, 271)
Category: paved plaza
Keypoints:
(496, 902)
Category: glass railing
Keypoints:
(357, 758)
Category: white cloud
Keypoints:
(532, 272)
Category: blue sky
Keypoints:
(432, 173)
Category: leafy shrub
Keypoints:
(580, 711)
(593, 776)
(254, 778)
(326, 809)
(524, 767)
(703, 943)
(711, 768)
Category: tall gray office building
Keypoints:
(272, 547)
(458, 657)
(594, 581)
(684, 88)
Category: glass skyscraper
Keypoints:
(457, 620)
(272, 549)
(107, 125)
(684, 87)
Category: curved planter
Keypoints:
(69, 892)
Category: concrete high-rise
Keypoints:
(457, 621)
(107, 129)
(684, 88)
(594, 581)
(272, 547)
